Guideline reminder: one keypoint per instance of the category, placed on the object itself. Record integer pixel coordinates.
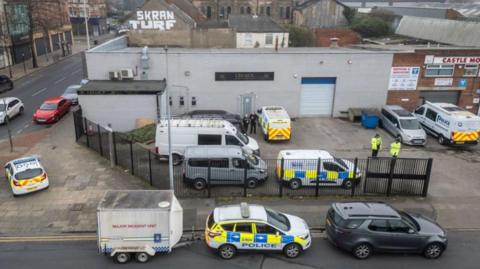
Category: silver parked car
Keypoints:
(71, 94)
(403, 124)
(229, 165)
(362, 228)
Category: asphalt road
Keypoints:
(33, 89)
(462, 253)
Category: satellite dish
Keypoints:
(164, 204)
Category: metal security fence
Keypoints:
(202, 178)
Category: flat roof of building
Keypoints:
(122, 87)
(254, 24)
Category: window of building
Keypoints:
(249, 10)
(267, 11)
(269, 39)
(281, 13)
(229, 10)
(262, 10)
(209, 11)
(222, 11)
(470, 70)
(439, 70)
(287, 13)
(242, 10)
(2, 58)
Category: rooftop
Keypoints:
(106, 87)
(254, 24)
(234, 212)
(141, 199)
(365, 210)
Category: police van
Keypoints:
(297, 168)
(275, 123)
(247, 227)
(449, 123)
(26, 175)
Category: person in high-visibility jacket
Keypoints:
(376, 144)
(395, 148)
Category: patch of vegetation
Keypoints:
(369, 26)
(299, 36)
(140, 135)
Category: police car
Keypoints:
(254, 227)
(26, 175)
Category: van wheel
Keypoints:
(142, 257)
(441, 140)
(176, 159)
(21, 110)
(265, 137)
(292, 250)
(295, 184)
(122, 257)
(251, 183)
(347, 184)
(227, 251)
(199, 184)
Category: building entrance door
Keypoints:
(247, 105)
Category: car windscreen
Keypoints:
(48, 106)
(242, 137)
(71, 90)
(341, 162)
(277, 219)
(410, 124)
(411, 221)
(29, 173)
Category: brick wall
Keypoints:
(346, 36)
(428, 83)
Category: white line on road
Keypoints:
(60, 80)
(39, 91)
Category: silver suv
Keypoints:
(403, 124)
(362, 228)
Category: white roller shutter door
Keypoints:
(316, 99)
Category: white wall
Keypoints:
(121, 111)
(248, 40)
(361, 83)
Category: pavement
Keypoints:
(84, 254)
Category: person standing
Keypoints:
(376, 145)
(395, 148)
(245, 122)
(253, 123)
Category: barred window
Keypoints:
(439, 70)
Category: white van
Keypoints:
(449, 123)
(197, 132)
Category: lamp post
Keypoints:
(167, 101)
(86, 23)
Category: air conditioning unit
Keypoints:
(114, 75)
(126, 74)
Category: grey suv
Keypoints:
(363, 227)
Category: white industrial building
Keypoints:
(306, 81)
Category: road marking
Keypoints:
(14, 239)
(39, 91)
(76, 72)
(60, 80)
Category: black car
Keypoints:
(5, 83)
(365, 227)
(234, 119)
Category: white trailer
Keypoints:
(138, 224)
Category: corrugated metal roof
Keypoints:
(460, 33)
(438, 13)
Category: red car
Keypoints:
(51, 110)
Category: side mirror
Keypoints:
(277, 233)
(259, 111)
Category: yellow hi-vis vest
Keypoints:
(376, 143)
(395, 148)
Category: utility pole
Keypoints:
(167, 101)
(7, 122)
(86, 23)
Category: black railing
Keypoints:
(225, 178)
